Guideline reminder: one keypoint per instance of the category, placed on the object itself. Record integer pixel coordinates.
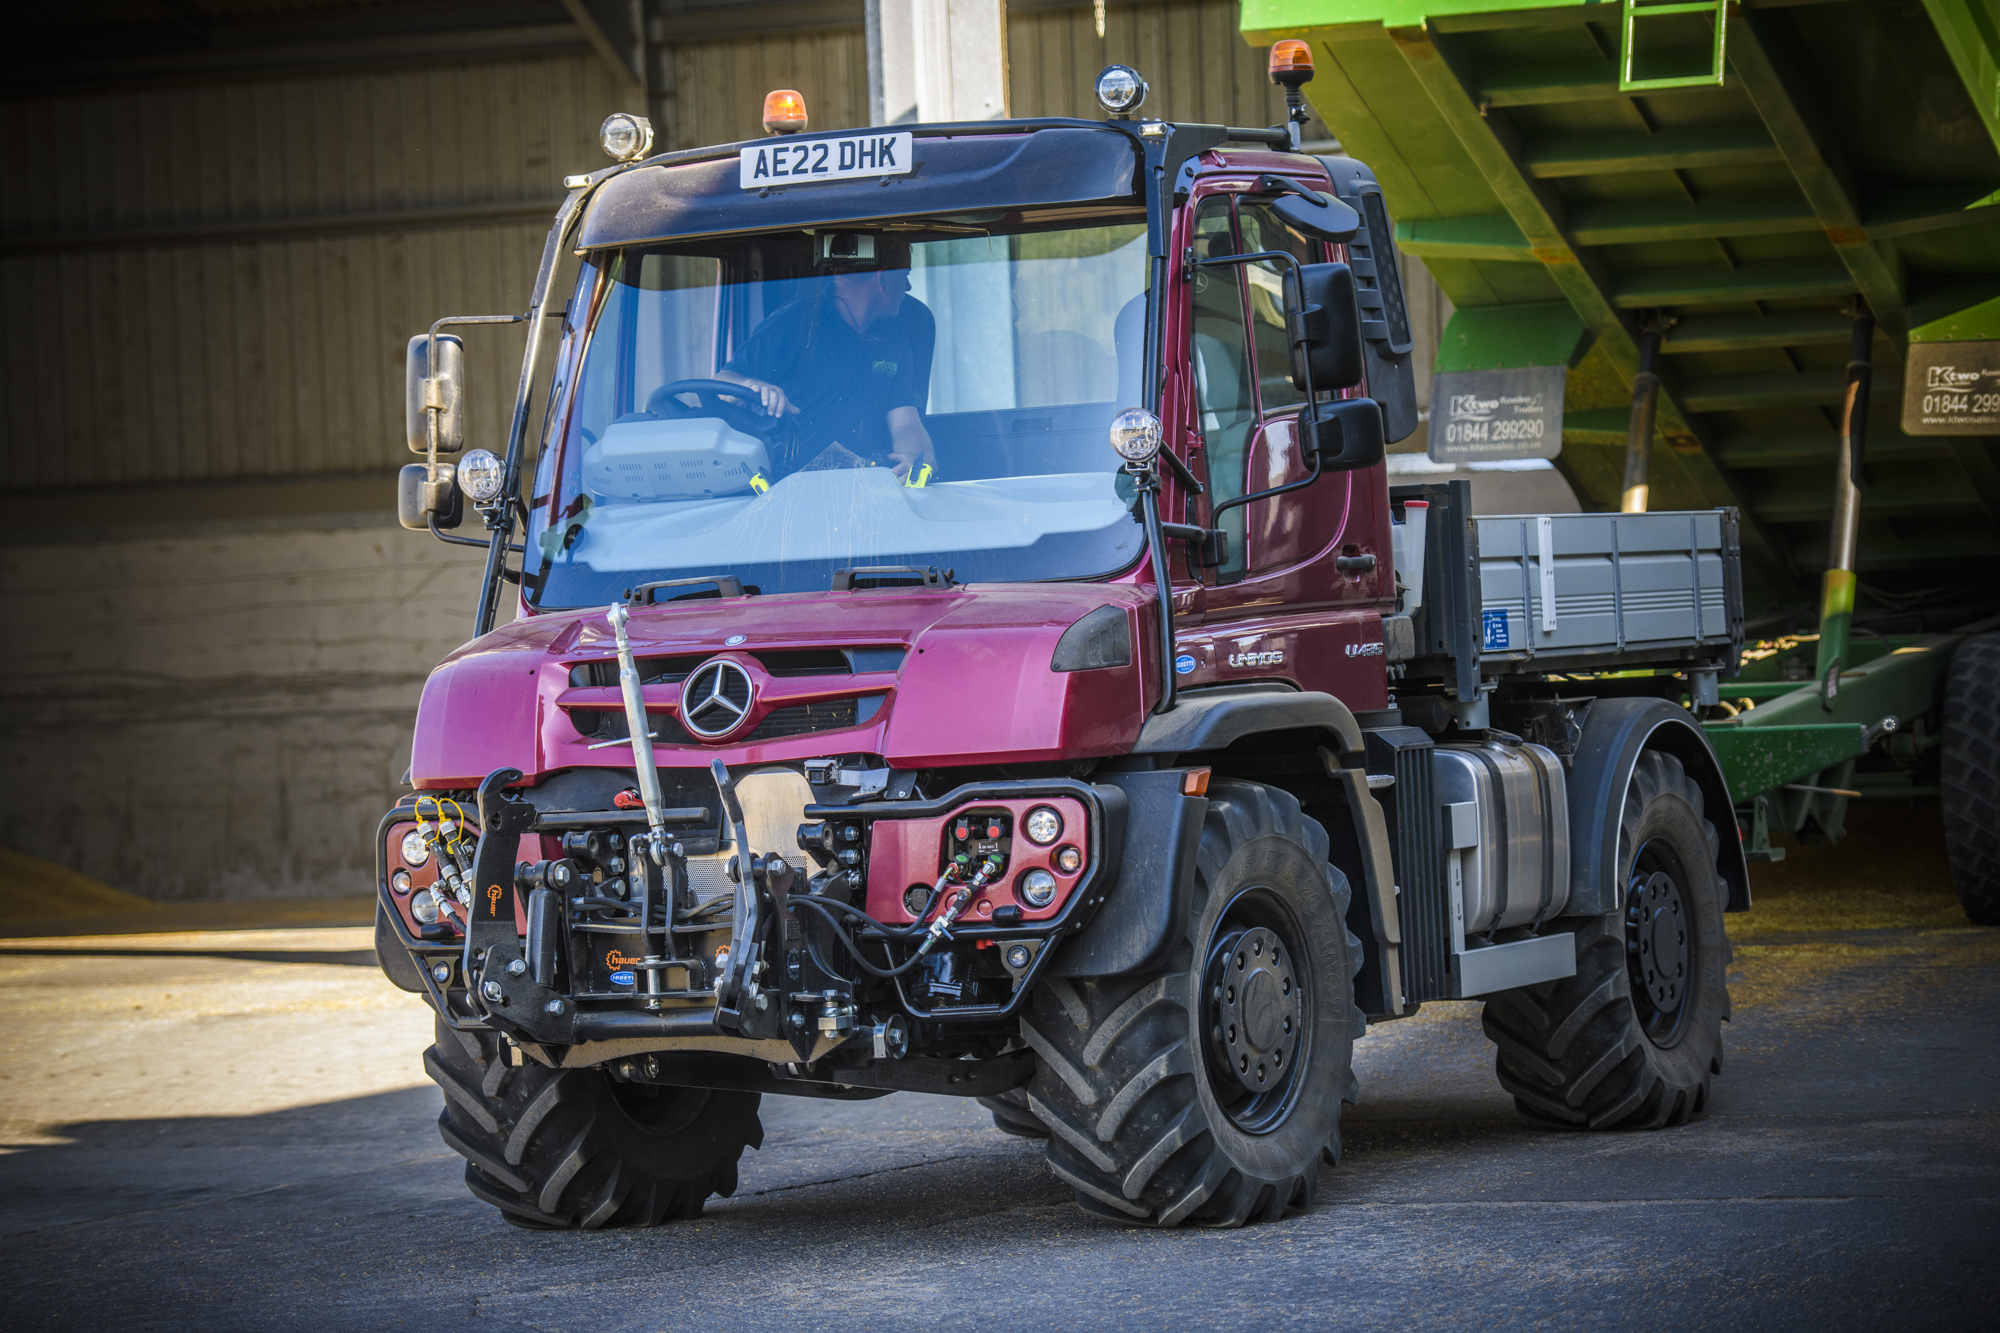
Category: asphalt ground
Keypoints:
(231, 1130)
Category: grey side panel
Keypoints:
(1614, 733)
(1510, 966)
(1212, 720)
(1147, 905)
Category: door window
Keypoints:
(1220, 356)
(1265, 279)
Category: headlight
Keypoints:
(424, 907)
(400, 882)
(1135, 434)
(1120, 90)
(1069, 860)
(1037, 888)
(626, 137)
(415, 850)
(481, 474)
(1043, 825)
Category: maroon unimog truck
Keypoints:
(967, 643)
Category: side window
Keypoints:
(1220, 358)
(1263, 231)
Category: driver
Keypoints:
(841, 361)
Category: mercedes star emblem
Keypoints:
(716, 698)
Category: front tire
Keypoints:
(1208, 1090)
(562, 1148)
(1633, 1039)
(1970, 776)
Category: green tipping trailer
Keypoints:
(1763, 238)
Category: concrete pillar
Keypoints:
(936, 60)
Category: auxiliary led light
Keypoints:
(1069, 860)
(1135, 434)
(1120, 90)
(1037, 888)
(415, 850)
(784, 112)
(1043, 825)
(400, 882)
(626, 137)
(424, 907)
(481, 474)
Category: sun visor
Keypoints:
(948, 174)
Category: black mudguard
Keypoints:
(1614, 733)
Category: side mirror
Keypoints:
(1330, 219)
(1326, 326)
(417, 497)
(1346, 434)
(444, 389)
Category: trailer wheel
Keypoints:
(1013, 1115)
(1971, 776)
(1632, 1040)
(561, 1148)
(1208, 1090)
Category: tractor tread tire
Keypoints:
(1970, 776)
(555, 1149)
(1013, 1115)
(1573, 1052)
(1121, 1090)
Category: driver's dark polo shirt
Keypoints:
(845, 384)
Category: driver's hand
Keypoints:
(772, 397)
(902, 462)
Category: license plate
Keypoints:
(855, 157)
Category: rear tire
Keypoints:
(1208, 1090)
(559, 1148)
(1632, 1040)
(1970, 776)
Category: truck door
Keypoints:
(1245, 412)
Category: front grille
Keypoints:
(782, 662)
(601, 724)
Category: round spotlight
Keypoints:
(1135, 434)
(400, 882)
(1069, 860)
(424, 907)
(1120, 90)
(1043, 825)
(1037, 888)
(626, 137)
(415, 850)
(1019, 956)
(481, 474)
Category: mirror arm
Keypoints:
(1215, 514)
(454, 541)
(1183, 471)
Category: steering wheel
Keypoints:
(747, 415)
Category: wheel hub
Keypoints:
(1657, 939)
(1254, 999)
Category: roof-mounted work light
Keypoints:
(626, 138)
(784, 112)
(1120, 91)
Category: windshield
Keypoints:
(779, 407)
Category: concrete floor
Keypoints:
(201, 1134)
